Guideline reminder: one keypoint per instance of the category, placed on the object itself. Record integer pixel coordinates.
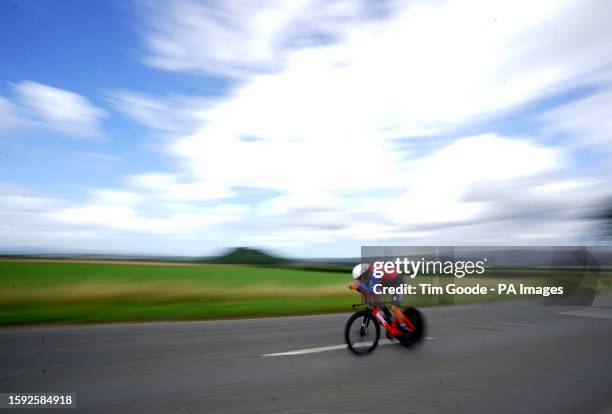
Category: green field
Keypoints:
(47, 292)
(72, 291)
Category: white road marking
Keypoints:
(590, 313)
(514, 323)
(326, 348)
(307, 350)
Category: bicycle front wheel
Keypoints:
(362, 332)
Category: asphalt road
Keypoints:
(519, 357)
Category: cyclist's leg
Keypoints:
(398, 314)
(396, 303)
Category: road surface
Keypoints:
(502, 358)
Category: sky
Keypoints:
(308, 128)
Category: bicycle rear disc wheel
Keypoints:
(409, 339)
(362, 332)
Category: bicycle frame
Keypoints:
(391, 328)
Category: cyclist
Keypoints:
(362, 273)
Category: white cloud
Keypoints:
(169, 114)
(585, 122)
(436, 184)
(239, 37)
(8, 116)
(108, 220)
(118, 217)
(59, 109)
(327, 115)
(452, 194)
(173, 188)
(429, 68)
(23, 219)
(139, 211)
(22, 203)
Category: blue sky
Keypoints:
(309, 128)
(91, 48)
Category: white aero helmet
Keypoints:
(360, 270)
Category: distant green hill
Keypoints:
(246, 255)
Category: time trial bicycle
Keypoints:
(362, 331)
